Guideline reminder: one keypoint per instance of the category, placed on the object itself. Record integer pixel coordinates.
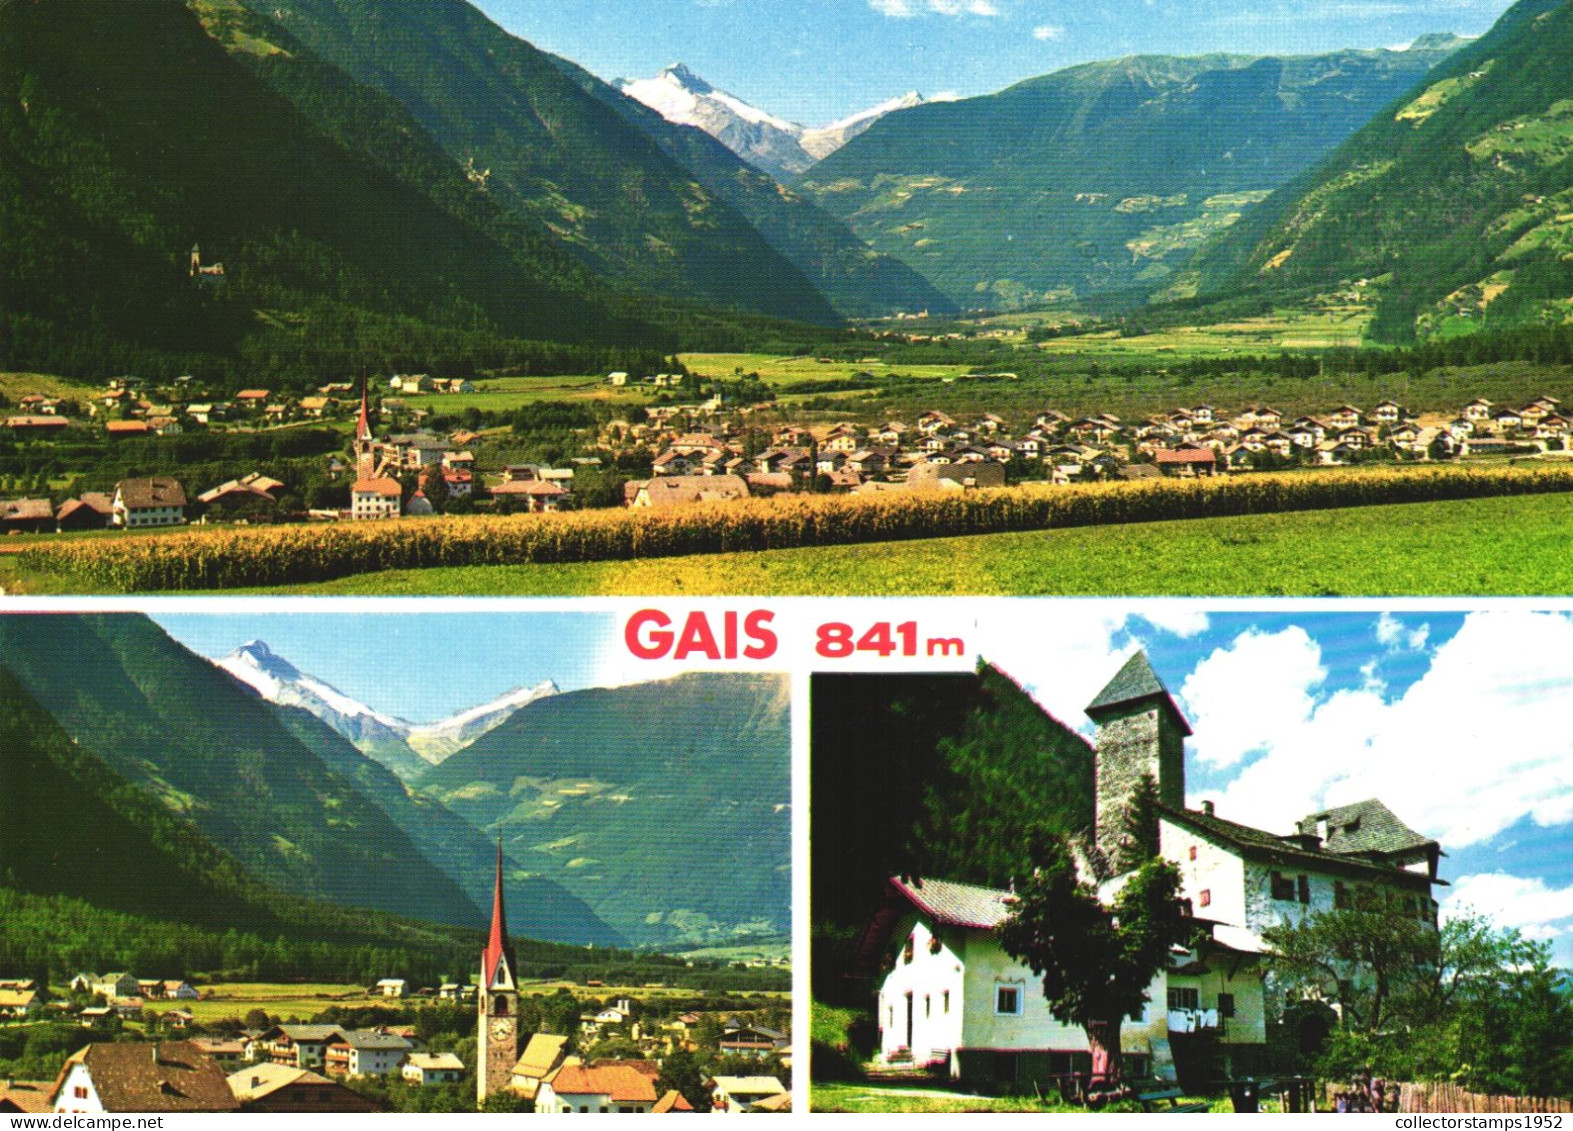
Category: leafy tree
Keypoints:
(681, 1071)
(435, 487)
(1096, 959)
(1376, 959)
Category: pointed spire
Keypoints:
(363, 428)
(497, 942)
(1135, 682)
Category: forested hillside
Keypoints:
(1456, 205)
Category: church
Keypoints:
(497, 998)
(951, 999)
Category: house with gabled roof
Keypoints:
(949, 996)
(543, 1056)
(147, 1078)
(600, 1088)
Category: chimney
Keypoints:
(1207, 808)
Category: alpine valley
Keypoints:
(673, 831)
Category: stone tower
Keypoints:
(1140, 733)
(497, 1034)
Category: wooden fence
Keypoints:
(1450, 1098)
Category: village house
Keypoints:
(24, 1097)
(144, 1078)
(423, 1068)
(117, 985)
(736, 1094)
(544, 1055)
(299, 1046)
(357, 1052)
(1186, 462)
(376, 498)
(158, 501)
(27, 516)
(281, 1089)
(605, 1087)
(950, 996)
(92, 511)
(682, 490)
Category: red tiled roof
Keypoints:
(622, 1083)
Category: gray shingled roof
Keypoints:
(1259, 844)
(1134, 682)
(1366, 826)
(957, 905)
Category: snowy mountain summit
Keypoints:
(379, 735)
(774, 145)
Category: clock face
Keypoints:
(501, 1028)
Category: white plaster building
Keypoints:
(950, 997)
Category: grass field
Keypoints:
(917, 1097)
(1479, 547)
(236, 999)
(776, 371)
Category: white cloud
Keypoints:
(1184, 621)
(1062, 656)
(1479, 742)
(906, 9)
(1391, 632)
(1245, 698)
(1048, 32)
(1540, 912)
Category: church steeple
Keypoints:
(365, 444)
(497, 1034)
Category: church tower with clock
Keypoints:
(497, 1035)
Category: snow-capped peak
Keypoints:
(779, 147)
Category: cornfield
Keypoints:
(251, 557)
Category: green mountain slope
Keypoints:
(949, 776)
(94, 871)
(188, 735)
(859, 281)
(1458, 202)
(1102, 178)
(127, 134)
(552, 152)
(537, 907)
(664, 806)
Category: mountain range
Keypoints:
(296, 808)
(1102, 178)
(774, 145)
(1454, 206)
(408, 749)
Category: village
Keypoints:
(150, 1045)
(667, 454)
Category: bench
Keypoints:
(1151, 1102)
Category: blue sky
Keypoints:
(1457, 721)
(421, 667)
(817, 60)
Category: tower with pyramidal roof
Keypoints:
(1141, 733)
(497, 1034)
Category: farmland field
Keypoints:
(1482, 547)
(234, 999)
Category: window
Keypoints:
(1305, 889)
(944, 1000)
(1193, 852)
(1225, 1005)
(1185, 997)
(1340, 896)
(1206, 898)
(1007, 999)
(1283, 887)
(927, 1002)
(80, 1092)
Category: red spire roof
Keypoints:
(497, 943)
(363, 428)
